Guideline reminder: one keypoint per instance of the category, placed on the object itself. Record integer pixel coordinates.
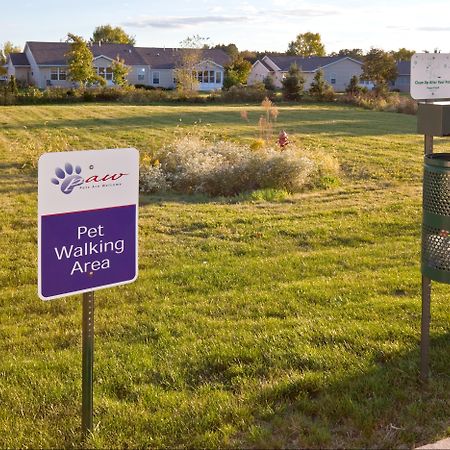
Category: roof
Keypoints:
(308, 64)
(404, 67)
(54, 53)
(167, 58)
(19, 59)
(270, 69)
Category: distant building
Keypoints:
(338, 70)
(44, 64)
(403, 81)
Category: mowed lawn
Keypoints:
(252, 324)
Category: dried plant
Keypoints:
(194, 165)
(244, 115)
(266, 120)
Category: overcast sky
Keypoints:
(251, 25)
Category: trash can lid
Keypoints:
(438, 159)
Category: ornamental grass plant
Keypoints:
(221, 168)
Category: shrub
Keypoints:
(253, 93)
(192, 165)
(152, 179)
(293, 84)
(391, 102)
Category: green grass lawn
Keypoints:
(252, 324)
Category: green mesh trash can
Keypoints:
(436, 217)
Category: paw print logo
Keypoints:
(68, 178)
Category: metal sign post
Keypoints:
(87, 408)
(430, 85)
(426, 302)
(87, 236)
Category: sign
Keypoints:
(430, 76)
(87, 220)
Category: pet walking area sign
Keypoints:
(87, 220)
(87, 236)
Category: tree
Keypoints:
(189, 56)
(402, 54)
(269, 84)
(318, 85)
(380, 68)
(307, 44)
(8, 47)
(355, 53)
(320, 89)
(119, 72)
(236, 72)
(293, 83)
(80, 62)
(112, 35)
(353, 87)
(231, 50)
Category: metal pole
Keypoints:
(425, 329)
(426, 303)
(87, 365)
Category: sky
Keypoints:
(251, 25)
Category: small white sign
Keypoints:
(87, 220)
(430, 76)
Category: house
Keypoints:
(44, 64)
(338, 70)
(403, 81)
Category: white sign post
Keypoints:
(430, 76)
(87, 235)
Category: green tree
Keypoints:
(318, 85)
(12, 85)
(80, 59)
(119, 72)
(293, 83)
(269, 84)
(307, 44)
(355, 53)
(353, 87)
(236, 72)
(231, 50)
(380, 68)
(403, 54)
(112, 35)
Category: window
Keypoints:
(141, 74)
(211, 76)
(104, 72)
(155, 78)
(109, 73)
(333, 78)
(57, 73)
(200, 77)
(218, 77)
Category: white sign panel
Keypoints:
(430, 76)
(87, 220)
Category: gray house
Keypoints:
(338, 70)
(44, 64)
(403, 81)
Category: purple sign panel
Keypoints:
(87, 249)
(87, 220)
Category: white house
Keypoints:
(338, 70)
(44, 64)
